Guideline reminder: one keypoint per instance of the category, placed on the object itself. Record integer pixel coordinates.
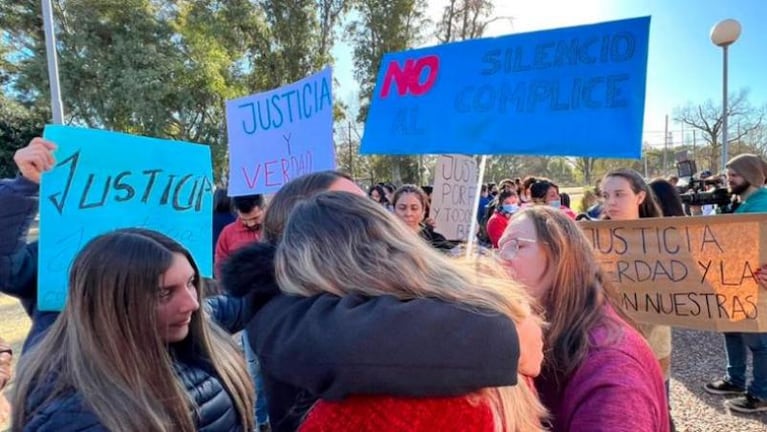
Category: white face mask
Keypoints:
(555, 203)
(510, 208)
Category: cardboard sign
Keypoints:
(280, 134)
(104, 181)
(575, 91)
(452, 200)
(693, 272)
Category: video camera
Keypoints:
(693, 191)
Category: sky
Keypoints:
(684, 66)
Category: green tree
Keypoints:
(159, 68)
(585, 167)
(18, 125)
(382, 26)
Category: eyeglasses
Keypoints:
(508, 251)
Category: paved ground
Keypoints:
(697, 357)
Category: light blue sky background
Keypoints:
(683, 66)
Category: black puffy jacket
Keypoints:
(67, 413)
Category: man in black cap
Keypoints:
(746, 176)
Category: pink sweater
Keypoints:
(619, 387)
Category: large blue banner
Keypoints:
(575, 91)
(106, 180)
(281, 134)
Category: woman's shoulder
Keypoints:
(65, 412)
(617, 346)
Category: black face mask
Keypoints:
(494, 193)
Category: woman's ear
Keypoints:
(641, 196)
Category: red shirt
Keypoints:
(389, 414)
(233, 236)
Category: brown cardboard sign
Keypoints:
(693, 272)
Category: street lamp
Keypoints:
(723, 34)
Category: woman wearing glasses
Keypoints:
(599, 374)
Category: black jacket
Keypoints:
(330, 347)
(68, 413)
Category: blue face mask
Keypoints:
(556, 204)
(509, 208)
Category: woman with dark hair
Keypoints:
(223, 213)
(668, 197)
(329, 347)
(132, 351)
(410, 205)
(507, 203)
(599, 374)
(524, 194)
(378, 194)
(627, 196)
(546, 192)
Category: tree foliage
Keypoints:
(160, 67)
(18, 125)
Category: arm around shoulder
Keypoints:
(335, 346)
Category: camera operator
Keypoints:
(746, 176)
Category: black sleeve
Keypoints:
(66, 416)
(18, 260)
(334, 347)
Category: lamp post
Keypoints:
(723, 34)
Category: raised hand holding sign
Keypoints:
(107, 180)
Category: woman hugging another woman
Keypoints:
(355, 247)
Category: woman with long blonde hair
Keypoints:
(132, 350)
(338, 243)
(598, 374)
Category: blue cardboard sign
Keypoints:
(106, 180)
(281, 134)
(575, 91)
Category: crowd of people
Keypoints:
(351, 316)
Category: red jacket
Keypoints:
(389, 414)
(233, 237)
(496, 225)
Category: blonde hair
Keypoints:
(105, 345)
(338, 243)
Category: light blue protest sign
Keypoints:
(281, 134)
(104, 181)
(575, 91)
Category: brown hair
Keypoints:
(649, 207)
(573, 305)
(105, 344)
(411, 189)
(292, 193)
